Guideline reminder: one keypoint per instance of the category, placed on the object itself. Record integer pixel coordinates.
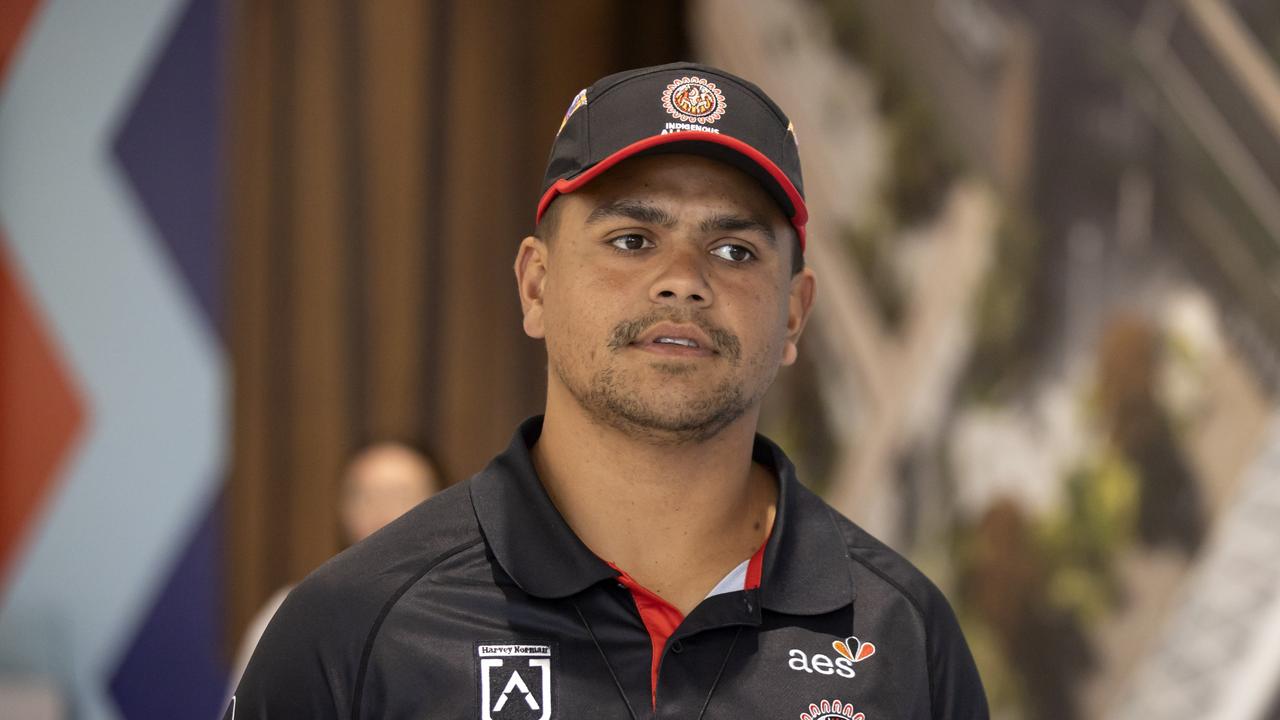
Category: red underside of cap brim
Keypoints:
(565, 186)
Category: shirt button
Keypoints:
(677, 647)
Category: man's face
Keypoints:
(666, 296)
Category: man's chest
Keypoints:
(501, 655)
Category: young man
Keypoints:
(638, 551)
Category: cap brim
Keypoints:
(716, 146)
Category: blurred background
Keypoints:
(241, 240)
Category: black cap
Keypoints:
(682, 107)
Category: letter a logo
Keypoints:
(515, 681)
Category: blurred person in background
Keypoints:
(380, 483)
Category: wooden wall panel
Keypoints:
(575, 46)
(386, 162)
(317, 435)
(479, 222)
(393, 92)
(250, 487)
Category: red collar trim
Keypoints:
(661, 618)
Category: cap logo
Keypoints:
(694, 100)
(579, 100)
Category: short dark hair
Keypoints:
(547, 226)
(550, 223)
(797, 253)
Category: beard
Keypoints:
(672, 413)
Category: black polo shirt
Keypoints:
(482, 603)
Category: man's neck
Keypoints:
(676, 517)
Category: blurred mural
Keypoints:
(239, 239)
(1045, 352)
(113, 377)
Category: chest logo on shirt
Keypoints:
(515, 681)
(831, 710)
(851, 650)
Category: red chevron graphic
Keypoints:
(14, 16)
(40, 413)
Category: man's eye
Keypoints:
(733, 253)
(631, 242)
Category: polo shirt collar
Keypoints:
(525, 531)
(807, 569)
(806, 566)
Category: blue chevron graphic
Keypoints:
(169, 147)
(109, 193)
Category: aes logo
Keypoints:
(515, 681)
(850, 650)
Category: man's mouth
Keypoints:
(676, 340)
(662, 334)
(686, 342)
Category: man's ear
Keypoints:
(799, 304)
(531, 281)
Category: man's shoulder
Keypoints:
(332, 618)
(886, 584)
(369, 576)
(878, 565)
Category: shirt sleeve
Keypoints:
(956, 688)
(305, 663)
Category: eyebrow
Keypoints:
(632, 210)
(737, 223)
(654, 215)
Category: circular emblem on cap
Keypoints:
(694, 100)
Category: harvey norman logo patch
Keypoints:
(515, 681)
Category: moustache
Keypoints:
(723, 341)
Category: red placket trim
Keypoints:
(661, 618)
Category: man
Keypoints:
(638, 551)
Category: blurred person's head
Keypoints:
(382, 482)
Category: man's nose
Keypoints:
(683, 280)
